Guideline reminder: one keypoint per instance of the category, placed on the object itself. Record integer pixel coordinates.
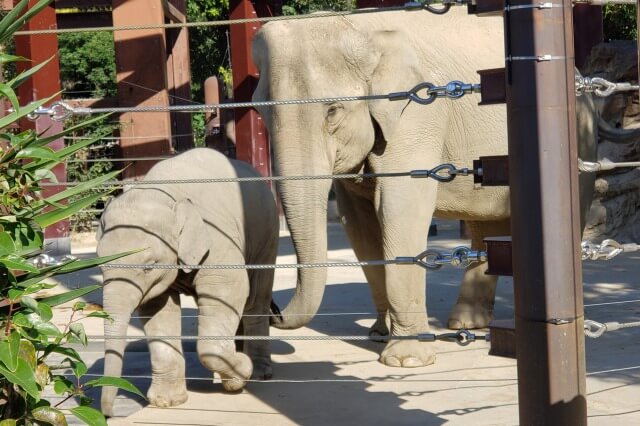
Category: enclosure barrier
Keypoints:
(530, 65)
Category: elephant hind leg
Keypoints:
(255, 321)
(474, 307)
(162, 317)
(221, 301)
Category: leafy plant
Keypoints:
(28, 337)
(620, 22)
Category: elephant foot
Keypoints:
(167, 394)
(408, 354)
(470, 315)
(241, 370)
(379, 329)
(262, 370)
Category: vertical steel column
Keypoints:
(141, 68)
(45, 83)
(251, 135)
(545, 214)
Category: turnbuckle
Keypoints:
(460, 257)
(606, 250)
(452, 90)
(462, 337)
(451, 170)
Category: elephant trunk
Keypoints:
(305, 207)
(119, 307)
(615, 135)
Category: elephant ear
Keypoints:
(395, 68)
(192, 241)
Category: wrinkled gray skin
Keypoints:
(372, 54)
(190, 224)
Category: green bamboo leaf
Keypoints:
(49, 415)
(10, 18)
(20, 78)
(22, 19)
(7, 92)
(9, 349)
(114, 381)
(5, 58)
(45, 140)
(15, 116)
(59, 299)
(82, 187)
(49, 218)
(23, 377)
(90, 263)
(8, 422)
(89, 415)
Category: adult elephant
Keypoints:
(373, 54)
(191, 224)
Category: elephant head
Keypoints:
(165, 232)
(324, 139)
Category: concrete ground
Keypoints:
(342, 383)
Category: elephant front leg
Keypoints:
(474, 306)
(161, 317)
(361, 224)
(221, 300)
(405, 217)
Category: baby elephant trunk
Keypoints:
(119, 307)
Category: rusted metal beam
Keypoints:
(141, 70)
(499, 256)
(588, 29)
(492, 170)
(503, 338)
(45, 83)
(251, 136)
(545, 220)
(492, 90)
(179, 77)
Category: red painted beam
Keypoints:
(45, 83)
(251, 136)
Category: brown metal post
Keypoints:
(45, 83)
(251, 136)
(141, 66)
(588, 29)
(545, 220)
(179, 77)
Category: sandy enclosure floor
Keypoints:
(342, 383)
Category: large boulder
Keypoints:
(615, 212)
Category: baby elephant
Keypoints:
(191, 224)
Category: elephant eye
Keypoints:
(334, 114)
